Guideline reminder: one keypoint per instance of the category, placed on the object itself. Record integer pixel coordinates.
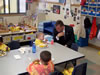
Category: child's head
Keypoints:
(45, 57)
(40, 36)
(1, 40)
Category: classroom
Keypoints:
(49, 37)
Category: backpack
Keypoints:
(87, 23)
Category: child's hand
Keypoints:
(45, 42)
(7, 49)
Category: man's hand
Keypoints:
(60, 34)
(65, 45)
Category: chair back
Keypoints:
(74, 46)
(80, 69)
(14, 45)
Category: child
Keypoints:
(69, 69)
(44, 66)
(3, 47)
(39, 40)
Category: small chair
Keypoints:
(56, 73)
(80, 69)
(14, 45)
(74, 46)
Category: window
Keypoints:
(1, 6)
(12, 6)
(22, 6)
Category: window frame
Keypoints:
(18, 8)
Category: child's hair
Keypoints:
(38, 34)
(1, 39)
(45, 56)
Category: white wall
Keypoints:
(54, 17)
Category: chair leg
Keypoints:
(66, 64)
(74, 62)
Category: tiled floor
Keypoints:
(91, 54)
(92, 58)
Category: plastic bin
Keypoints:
(6, 39)
(30, 36)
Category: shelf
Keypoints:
(13, 33)
(90, 15)
(55, 3)
(75, 5)
(12, 14)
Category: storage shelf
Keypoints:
(90, 15)
(75, 5)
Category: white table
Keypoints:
(10, 66)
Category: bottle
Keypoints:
(34, 48)
(52, 42)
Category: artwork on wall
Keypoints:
(84, 10)
(92, 8)
(98, 12)
(29, 1)
(56, 9)
(93, 2)
(67, 11)
(92, 11)
(74, 18)
(98, 3)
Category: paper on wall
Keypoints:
(67, 11)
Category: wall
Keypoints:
(54, 17)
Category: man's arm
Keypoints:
(72, 38)
(55, 38)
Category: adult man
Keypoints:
(63, 35)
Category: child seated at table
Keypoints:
(39, 40)
(44, 66)
(3, 47)
(69, 69)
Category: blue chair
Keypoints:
(49, 27)
(80, 69)
(56, 73)
(74, 46)
(14, 45)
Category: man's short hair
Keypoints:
(1, 39)
(45, 56)
(59, 22)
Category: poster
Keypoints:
(84, 10)
(67, 11)
(56, 9)
(92, 11)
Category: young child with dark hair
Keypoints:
(3, 47)
(44, 66)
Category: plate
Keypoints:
(2, 53)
